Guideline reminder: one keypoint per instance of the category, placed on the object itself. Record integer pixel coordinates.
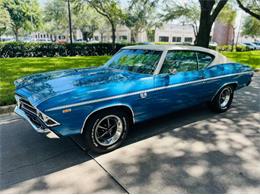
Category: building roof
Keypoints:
(219, 58)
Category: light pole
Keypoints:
(32, 18)
(70, 28)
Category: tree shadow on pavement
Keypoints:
(193, 151)
(190, 151)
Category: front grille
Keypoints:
(27, 107)
(36, 116)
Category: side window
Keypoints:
(204, 60)
(179, 61)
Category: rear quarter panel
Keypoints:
(220, 75)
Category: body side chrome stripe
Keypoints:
(142, 91)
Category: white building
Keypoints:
(175, 33)
(123, 34)
(46, 37)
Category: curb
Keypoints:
(7, 109)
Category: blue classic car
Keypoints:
(136, 84)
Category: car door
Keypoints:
(180, 81)
(210, 85)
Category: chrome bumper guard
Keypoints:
(38, 128)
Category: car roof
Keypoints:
(218, 58)
(170, 47)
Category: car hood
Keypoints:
(40, 87)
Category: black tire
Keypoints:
(216, 104)
(93, 142)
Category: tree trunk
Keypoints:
(16, 33)
(113, 34)
(132, 36)
(233, 38)
(207, 17)
(203, 36)
(102, 37)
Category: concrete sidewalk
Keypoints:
(192, 151)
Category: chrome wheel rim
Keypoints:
(108, 130)
(224, 97)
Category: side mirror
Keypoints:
(173, 70)
(162, 79)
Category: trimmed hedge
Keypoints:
(20, 49)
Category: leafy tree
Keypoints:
(251, 27)
(111, 10)
(189, 12)
(4, 20)
(252, 7)
(227, 16)
(24, 14)
(103, 25)
(55, 17)
(87, 21)
(204, 14)
(141, 16)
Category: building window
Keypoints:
(123, 38)
(163, 39)
(188, 39)
(176, 39)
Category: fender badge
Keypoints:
(143, 95)
(66, 110)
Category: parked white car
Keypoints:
(252, 46)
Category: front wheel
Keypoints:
(106, 130)
(223, 100)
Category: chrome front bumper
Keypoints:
(21, 113)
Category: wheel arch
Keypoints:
(124, 107)
(233, 84)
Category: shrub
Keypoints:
(241, 48)
(212, 47)
(20, 49)
(224, 48)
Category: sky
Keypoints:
(42, 2)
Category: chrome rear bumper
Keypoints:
(37, 128)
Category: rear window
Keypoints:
(204, 59)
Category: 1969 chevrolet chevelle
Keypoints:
(136, 84)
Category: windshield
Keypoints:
(135, 60)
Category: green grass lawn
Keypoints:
(251, 58)
(13, 68)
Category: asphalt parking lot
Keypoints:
(192, 151)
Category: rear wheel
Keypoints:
(106, 130)
(223, 100)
